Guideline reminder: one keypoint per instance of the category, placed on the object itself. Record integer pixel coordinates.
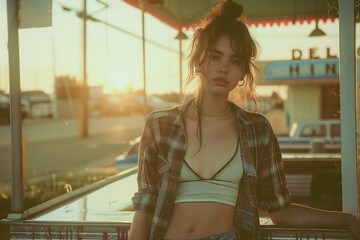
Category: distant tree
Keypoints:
(68, 85)
(138, 92)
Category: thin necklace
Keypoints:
(211, 115)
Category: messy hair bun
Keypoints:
(232, 10)
(225, 10)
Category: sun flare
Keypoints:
(120, 82)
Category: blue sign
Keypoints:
(300, 69)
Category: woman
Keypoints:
(207, 167)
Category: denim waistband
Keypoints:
(228, 235)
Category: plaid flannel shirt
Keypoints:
(162, 150)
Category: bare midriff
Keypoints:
(199, 219)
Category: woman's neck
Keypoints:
(214, 104)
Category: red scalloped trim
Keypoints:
(287, 21)
(263, 23)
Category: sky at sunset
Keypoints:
(115, 58)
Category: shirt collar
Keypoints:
(241, 114)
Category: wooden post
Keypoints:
(25, 159)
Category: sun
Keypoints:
(120, 82)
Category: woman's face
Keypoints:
(223, 69)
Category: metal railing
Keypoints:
(274, 233)
(25, 229)
(68, 230)
(118, 230)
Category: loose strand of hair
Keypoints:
(199, 111)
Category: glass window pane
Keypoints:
(314, 131)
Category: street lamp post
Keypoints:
(84, 115)
(181, 36)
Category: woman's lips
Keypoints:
(220, 81)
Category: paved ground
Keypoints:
(54, 146)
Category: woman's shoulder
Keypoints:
(258, 125)
(164, 114)
(253, 118)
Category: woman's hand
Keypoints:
(140, 227)
(353, 225)
(297, 215)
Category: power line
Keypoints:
(80, 14)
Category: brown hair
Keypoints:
(225, 19)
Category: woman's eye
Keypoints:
(213, 57)
(236, 61)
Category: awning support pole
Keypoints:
(84, 117)
(143, 53)
(348, 88)
(15, 109)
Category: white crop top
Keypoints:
(223, 187)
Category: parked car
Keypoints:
(130, 157)
(42, 110)
(25, 108)
(303, 133)
(40, 103)
(5, 109)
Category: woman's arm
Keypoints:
(274, 196)
(302, 216)
(140, 227)
(144, 199)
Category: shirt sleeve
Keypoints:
(272, 189)
(145, 198)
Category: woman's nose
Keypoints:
(222, 68)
